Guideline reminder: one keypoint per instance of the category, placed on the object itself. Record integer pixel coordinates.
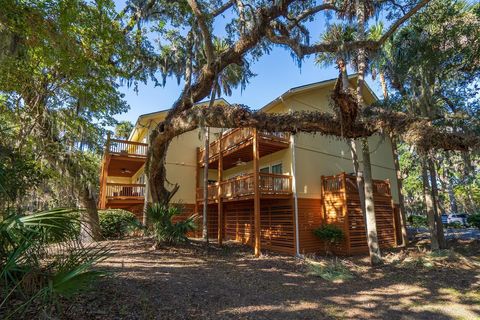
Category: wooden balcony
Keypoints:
(236, 144)
(242, 187)
(124, 158)
(348, 183)
(127, 148)
(124, 193)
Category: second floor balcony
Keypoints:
(124, 158)
(126, 148)
(242, 187)
(237, 145)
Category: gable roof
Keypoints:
(152, 115)
(290, 92)
(311, 86)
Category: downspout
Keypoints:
(295, 197)
(294, 191)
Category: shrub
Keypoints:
(164, 229)
(474, 220)
(41, 261)
(329, 233)
(454, 225)
(117, 223)
(417, 221)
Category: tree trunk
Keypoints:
(358, 175)
(383, 83)
(205, 172)
(401, 200)
(90, 224)
(205, 185)
(449, 185)
(438, 218)
(427, 193)
(372, 238)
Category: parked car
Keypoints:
(444, 219)
(457, 217)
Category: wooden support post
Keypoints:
(103, 177)
(219, 192)
(197, 179)
(146, 194)
(256, 198)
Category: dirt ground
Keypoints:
(186, 282)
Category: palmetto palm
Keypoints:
(379, 59)
(165, 230)
(337, 33)
(41, 259)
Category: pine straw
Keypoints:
(421, 258)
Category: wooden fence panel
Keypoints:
(310, 217)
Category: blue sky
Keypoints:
(276, 73)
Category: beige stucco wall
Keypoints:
(125, 180)
(316, 155)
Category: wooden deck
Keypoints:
(242, 187)
(342, 207)
(122, 159)
(237, 144)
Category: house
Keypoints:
(275, 187)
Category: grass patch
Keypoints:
(331, 270)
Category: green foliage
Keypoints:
(454, 225)
(164, 229)
(417, 221)
(329, 233)
(474, 220)
(123, 129)
(334, 270)
(117, 223)
(41, 260)
(19, 172)
(58, 87)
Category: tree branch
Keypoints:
(218, 11)
(207, 36)
(417, 131)
(400, 21)
(310, 12)
(302, 50)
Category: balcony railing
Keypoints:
(121, 190)
(127, 148)
(339, 184)
(235, 138)
(243, 186)
(212, 192)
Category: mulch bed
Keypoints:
(190, 282)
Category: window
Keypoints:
(265, 170)
(277, 169)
